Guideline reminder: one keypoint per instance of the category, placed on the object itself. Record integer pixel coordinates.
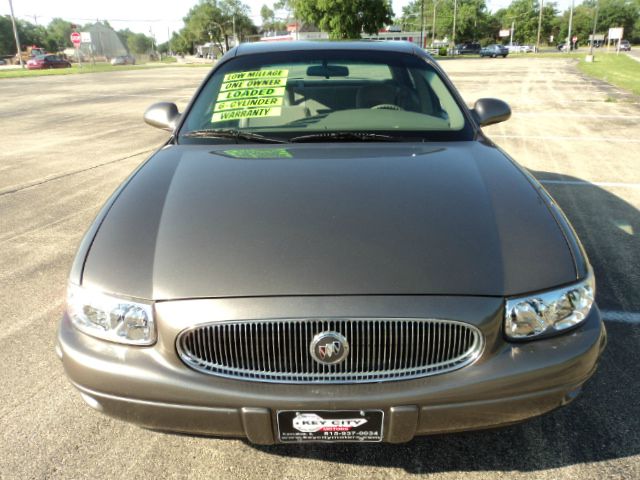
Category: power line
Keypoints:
(92, 19)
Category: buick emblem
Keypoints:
(329, 348)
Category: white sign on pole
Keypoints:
(505, 33)
(616, 33)
(85, 37)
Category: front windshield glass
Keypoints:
(291, 95)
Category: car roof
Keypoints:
(288, 46)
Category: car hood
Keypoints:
(457, 218)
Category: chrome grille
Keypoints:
(380, 349)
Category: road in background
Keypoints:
(69, 141)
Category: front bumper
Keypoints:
(509, 383)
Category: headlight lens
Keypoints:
(549, 312)
(111, 318)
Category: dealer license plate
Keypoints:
(330, 425)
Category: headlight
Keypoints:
(549, 312)
(111, 318)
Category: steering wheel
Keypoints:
(386, 106)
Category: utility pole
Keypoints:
(433, 29)
(422, 24)
(453, 33)
(15, 34)
(513, 27)
(235, 39)
(539, 26)
(570, 24)
(593, 36)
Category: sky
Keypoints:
(149, 16)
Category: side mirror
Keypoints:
(491, 110)
(162, 115)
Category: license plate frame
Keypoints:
(330, 426)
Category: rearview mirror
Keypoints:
(491, 110)
(327, 71)
(162, 115)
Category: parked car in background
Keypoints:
(43, 62)
(123, 60)
(494, 51)
(329, 249)
(517, 48)
(563, 46)
(468, 48)
(625, 46)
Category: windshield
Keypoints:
(308, 94)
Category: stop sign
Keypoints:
(75, 38)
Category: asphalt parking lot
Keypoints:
(68, 141)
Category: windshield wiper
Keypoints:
(233, 134)
(344, 136)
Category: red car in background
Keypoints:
(42, 62)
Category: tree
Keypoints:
(524, 15)
(269, 20)
(267, 15)
(344, 19)
(139, 43)
(124, 36)
(213, 21)
(7, 42)
(31, 34)
(611, 13)
(179, 44)
(473, 20)
(618, 13)
(58, 35)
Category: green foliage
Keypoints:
(344, 19)
(212, 20)
(611, 13)
(7, 43)
(524, 15)
(179, 43)
(58, 35)
(269, 22)
(139, 43)
(473, 20)
(267, 14)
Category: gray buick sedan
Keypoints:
(329, 249)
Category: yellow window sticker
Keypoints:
(229, 77)
(249, 103)
(252, 94)
(246, 113)
(256, 83)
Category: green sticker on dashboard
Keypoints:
(258, 153)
